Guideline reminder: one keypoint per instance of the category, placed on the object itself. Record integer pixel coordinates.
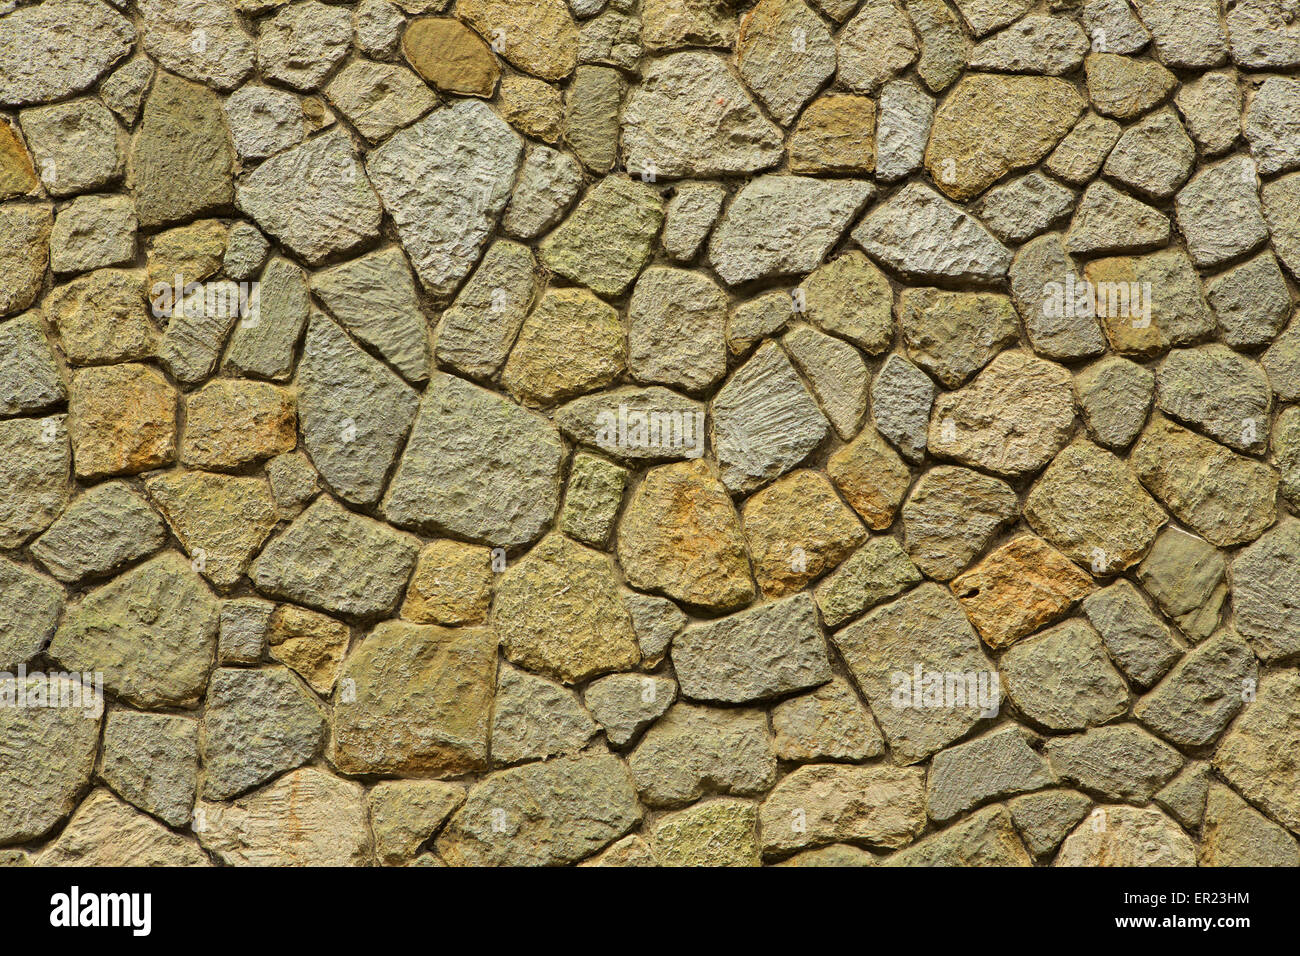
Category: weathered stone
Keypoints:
(450, 56)
(46, 753)
(944, 47)
(990, 125)
(312, 645)
(405, 813)
(223, 59)
(30, 377)
(1281, 199)
(475, 335)
(152, 761)
(1061, 679)
(1271, 123)
(1186, 575)
(877, 571)
(1264, 578)
(636, 424)
(306, 818)
(197, 331)
(592, 499)
(570, 343)
(990, 767)
(264, 341)
(339, 212)
(881, 805)
(692, 749)
(338, 562)
(689, 217)
(1235, 834)
(122, 420)
(1258, 754)
(377, 27)
(294, 482)
(24, 250)
(624, 704)
(548, 183)
(1251, 300)
(1079, 156)
(1110, 221)
(539, 38)
(264, 120)
(920, 234)
(758, 318)
(987, 838)
(1089, 504)
(30, 608)
(836, 855)
(181, 159)
(558, 612)
(1024, 207)
(952, 335)
(1115, 396)
(1184, 796)
(674, 23)
(1127, 837)
(777, 225)
(554, 813)
(1011, 420)
(1225, 498)
(1224, 394)
(951, 516)
(1053, 301)
(220, 520)
(91, 232)
(1211, 107)
(355, 412)
(245, 623)
(656, 621)
(1119, 762)
(466, 437)
(829, 723)
(257, 724)
(689, 116)
(106, 832)
(784, 74)
(1024, 585)
(105, 528)
(717, 833)
(532, 106)
(34, 476)
(51, 50)
(533, 718)
(631, 851)
(871, 477)
(1165, 307)
(676, 322)
(230, 422)
(851, 298)
(764, 421)
(1126, 88)
(452, 585)
(591, 116)
(420, 702)
(1137, 640)
(379, 98)
(303, 42)
(613, 39)
(607, 239)
(1194, 703)
(901, 399)
(835, 134)
(903, 128)
(152, 632)
(1035, 44)
(17, 175)
(923, 632)
(1219, 213)
(1045, 818)
(765, 652)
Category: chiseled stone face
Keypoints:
(649, 432)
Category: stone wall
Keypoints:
(624, 432)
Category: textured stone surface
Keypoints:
(1061, 679)
(1258, 754)
(1118, 762)
(533, 718)
(986, 838)
(880, 805)
(34, 476)
(106, 832)
(1127, 836)
(606, 240)
(102, 530)
(693, 749)
(996, 765)
(951, 515)
(54, 49)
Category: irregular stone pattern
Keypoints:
(649, 432)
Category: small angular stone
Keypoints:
(1113, 27)
(784, 74)
(1165, 307)
(1153, 157)
(1061, 679)
(539, 37)
(377, 27)
(1264, 578)
(1256, 756)
(405, 813)
(880, 805)
(986, 838)
(952, 335)
(77, 146)
(1186, 576)
(420, 702)
(876, 572)
(1187, 33)
(54, 49)
(337, 561)
(1079, 156)
(1126, 88)
(549, 181)
(1119, 762)
(475, 335)
(836, 372)
(1115, 396)
(994, 766)
(1270, 124)
(607, 239)
(1052, 301)
(1045, 818)
(1251, 300)
(901, 398)
(985, 16)
(592, 499)
(222, 60)
(533, 718)
(230, 422)
(829, 723)
(903, 128)
(778, 225)
(656, 621)
(871, 477)
(24, 251)
(91, 232)
(944, 47)
(264, 120)
(532, 106)
(264, 341)
(951, 516)
(851, 298)
(1219, 213)
(452, 585)
(30, 377)
(302, 43)
(30, 608)
(920, 234)
(1127, 837)
(715, 834)
(693, 749)
(152, 760)
(312, 645)
(450, 56)
(922, 631)
(689, 217)
(105, 528)
(760, 653)
(877, 44)
(624, 704)
(106, 832)
(1184, 796)
(244, 626)
(379, 98)
(1211, 108)
(122, 420)
(1226, 395)
(835, 134)
(676, 329)
(1109, 221)
(1035, 44)
(1024, 585)
(591, 116)
(1224, 497)
(571, 343)
(1024, 207)
(1196, 700)
(1236, 834)
(1136, 639)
